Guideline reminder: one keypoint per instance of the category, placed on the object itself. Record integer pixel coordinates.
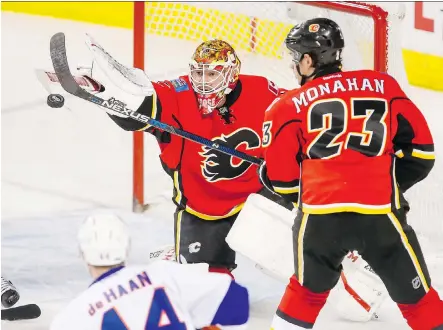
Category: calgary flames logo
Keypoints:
(314, 28)
(217, 166)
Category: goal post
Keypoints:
(380, 19)
(138, 139)
(167, 33)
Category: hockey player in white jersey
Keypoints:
(162, 295)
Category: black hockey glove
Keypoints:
(263, 176)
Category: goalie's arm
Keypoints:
(153, 107)
(133, 87)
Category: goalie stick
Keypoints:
(67, 81)
(25, 312)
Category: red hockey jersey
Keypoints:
(208, 183)
(349, 141)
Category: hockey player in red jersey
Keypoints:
(345, 147)
(216, 102)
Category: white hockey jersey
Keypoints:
(162, 295)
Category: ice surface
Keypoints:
(59, 165)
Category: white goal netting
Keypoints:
(257, 31)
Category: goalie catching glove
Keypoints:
(105, 77)
(130, 85)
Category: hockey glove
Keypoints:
(263, 176)
(129, 85)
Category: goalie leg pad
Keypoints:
(263, 233)
(166, 252)
(360, 292)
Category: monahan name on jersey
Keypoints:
(337, 86)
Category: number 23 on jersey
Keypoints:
(361, 128)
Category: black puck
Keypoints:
(55, 100)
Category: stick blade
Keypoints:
(25, 312)
(61, 66)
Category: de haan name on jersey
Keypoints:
(111, 294)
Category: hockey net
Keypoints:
(169, 33)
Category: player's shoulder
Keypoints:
(76, 311)
(74, 314)
(156, 266)
(173, 270)
(180, 84)
(285, 99)
(157, 271)
(372, 74)
(255, 83)
(259, 85)
(389, 86)
(250, 79)
(173, 267)
(282, 109)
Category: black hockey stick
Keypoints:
(25, 312)
(61, 68)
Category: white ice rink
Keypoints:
(58, 165)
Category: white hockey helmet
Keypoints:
(104, 240)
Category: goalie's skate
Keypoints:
(9, 295)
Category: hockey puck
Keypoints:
(55, 100)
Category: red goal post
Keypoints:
(257, 30)
(138, 145)
(380, 19)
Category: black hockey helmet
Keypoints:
(321, 38)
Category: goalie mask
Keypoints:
(214, 71)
